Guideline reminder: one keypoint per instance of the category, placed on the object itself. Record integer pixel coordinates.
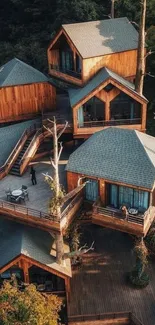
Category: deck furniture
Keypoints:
(8, 194)
(25, 192)
(16, 193)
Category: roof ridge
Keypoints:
(144, 146)
(94, 21)
(10, 70)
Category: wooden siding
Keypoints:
(123, 63)
(137, 227)
(106, 98)
(24, 100)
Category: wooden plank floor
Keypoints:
(99, 286)
(39, 194)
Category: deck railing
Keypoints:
(110, 212)
(71, 205)
(106, 316)
(70, 72)
(26, 211)
(90, 124)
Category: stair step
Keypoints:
(14, 173)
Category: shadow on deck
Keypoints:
(100, 286)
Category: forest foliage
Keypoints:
(28, 306)
(26, 27)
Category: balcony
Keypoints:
(68, 72)
(114, 218)
(90, 124)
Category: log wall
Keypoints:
(21, 101)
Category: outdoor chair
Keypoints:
(8, 194)
(15, 199)
(25, 191)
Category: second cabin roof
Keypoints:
(77, 94)
(102, 37)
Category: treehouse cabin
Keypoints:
(106, 100)
(80, 50)
(24, 92)
(29, 253)
(118, 167)
(99, 59)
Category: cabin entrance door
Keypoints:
(91, 190)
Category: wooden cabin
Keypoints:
(118, 166)
(99, 59)
(106, 100)
(80, 50)
(30, 254)
(24, 91)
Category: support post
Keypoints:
(107, 110)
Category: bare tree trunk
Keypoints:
(141, 51)
(112, 8)
(59, 237)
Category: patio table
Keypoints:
(17, 193)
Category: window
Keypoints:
(91, 190)
(123, 195)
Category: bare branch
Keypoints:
(134, 23)
(149, 53)
(82, 250)
(60, 151)
(52, 162)
(149, 74)
(48, 176)
(62, 131)
(48, 129)
(50, 121)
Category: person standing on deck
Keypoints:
(33, 176)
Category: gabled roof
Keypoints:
(16, 239)
(118, 155)
(16, 72)
(77, 94)
(102, 37)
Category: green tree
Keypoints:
(28, 306)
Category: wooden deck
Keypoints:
(99, 286)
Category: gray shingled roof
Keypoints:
(9, 136)
(16, 72)
(77, 94)
(97, 38)
(16, 239)
(117, 155)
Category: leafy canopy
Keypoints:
(28, 307)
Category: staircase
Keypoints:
(15, 170)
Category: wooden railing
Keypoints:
(31, 150)
(90, 124)
(110, 212)
(15, 152)
(106, 316)
(26, 211)
(70, 72)
(71, 205)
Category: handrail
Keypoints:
(27, 211)
(8, 163)
(66, 71)
(109, 123)
(70, 205)
(105, 316)
(138, 219)
(31, 144)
